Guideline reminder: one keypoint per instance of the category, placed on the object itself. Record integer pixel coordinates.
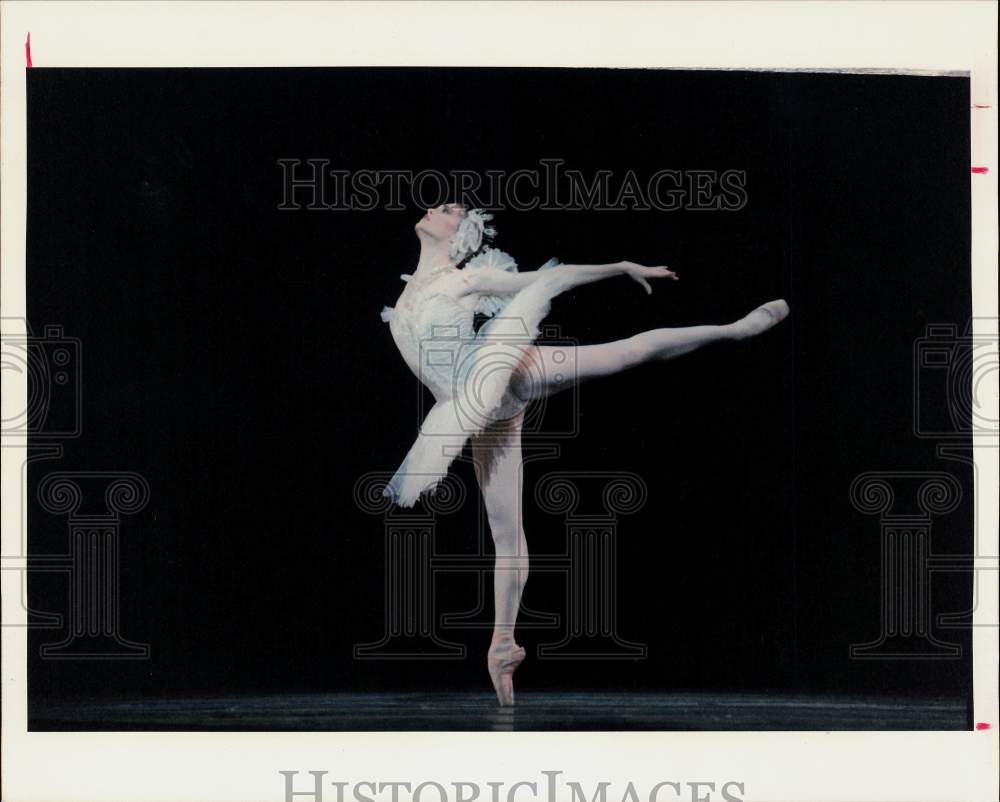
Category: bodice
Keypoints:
(432, 326)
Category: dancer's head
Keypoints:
(463, 230)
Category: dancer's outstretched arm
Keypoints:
(493, 281)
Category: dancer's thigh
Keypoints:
(497, 457)
(548, 369)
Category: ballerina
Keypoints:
(483, 381)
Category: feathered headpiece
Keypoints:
(470, 235)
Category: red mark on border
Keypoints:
(980, 170)
(27, 50)
(983, 725)
(980, 106)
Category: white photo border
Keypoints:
(917, 37)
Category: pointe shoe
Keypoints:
(761, 319)
(502, 666)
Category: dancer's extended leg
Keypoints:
(497, 456)
(548, 369)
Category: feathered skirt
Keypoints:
(481, 393)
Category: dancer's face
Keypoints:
(442, 221)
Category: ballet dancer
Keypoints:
(482, 381)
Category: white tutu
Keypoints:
(468, 372)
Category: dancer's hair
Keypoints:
(472, 233)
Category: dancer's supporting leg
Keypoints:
(548, 369)
(497, 457)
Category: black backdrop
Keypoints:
(233, 355)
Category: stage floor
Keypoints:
(464, 711)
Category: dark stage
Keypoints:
(467, 711)
(235, 369)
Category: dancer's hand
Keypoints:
(640, 273)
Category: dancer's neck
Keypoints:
(433, 255)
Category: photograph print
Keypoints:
(476, 399)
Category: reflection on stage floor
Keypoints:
(466, 711)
